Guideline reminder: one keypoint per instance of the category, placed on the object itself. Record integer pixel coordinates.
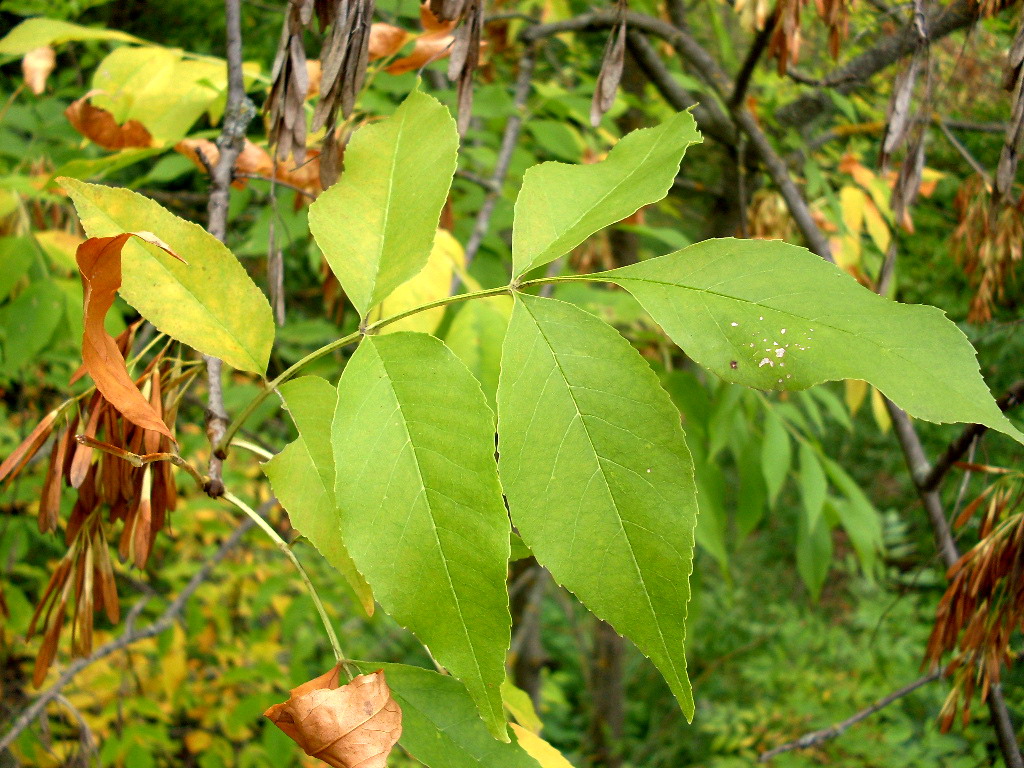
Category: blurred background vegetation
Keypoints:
(788, 633)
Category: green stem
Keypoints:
(222, 447)
(283, 546)
(561, 279)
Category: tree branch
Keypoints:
(825, 734)
(890, 49)
(746, 72)
(720, 84)
(238, 112)
(508, 145)
(126, 638)
(1013, 397)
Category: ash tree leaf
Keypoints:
(302, 476)
(560, 206)
(440, 725)
(776, 454)
(598, 477)
(421, 508)
(813, 485)
(37, 32)
(772, 315)
(813, 553)
(29, 322)
(210, 303)
(376, 225)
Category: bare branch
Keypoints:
(825, 734)
(508, 146)
(1013, 397)
(238, 113)
(126, 638)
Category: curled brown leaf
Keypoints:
(345, 726)
(100, 127)
(99, 261)
(36, 66)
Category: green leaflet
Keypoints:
(440, 726)
(376, 225)
(302, 476)
(210, 303)
(560, 206)
(774, 316)
(813, 485)
(422, 513)
(30, 321)
(597, 474)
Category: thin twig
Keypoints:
(277, 182)
(964, 152)
(509, 140)
(746, 72)
(126, 638)
(825, 734)
(1014, 396)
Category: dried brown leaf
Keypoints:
(36, 66)
(386, 40)
(21, 455)
(99, 126)
(99, 261)
(348, 726)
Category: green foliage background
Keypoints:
(786, 633)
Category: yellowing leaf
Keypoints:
(520, 706)
(851, 201)
(36, 66)
(876, 226)
(540, 750)
(880, 412)
(431, 284)
(212, 304)
(856, 391)
(37, 32)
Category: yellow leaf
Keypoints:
(518, 703)
(880, 412)
(851, 202)
(540, 750)
(434, 282)
(856, 391)
(60, 246)
(876, 226)
(198, 741)
(174, 664)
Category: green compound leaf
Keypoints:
(376, 225)
(422, 513)
(440, 725)
(774, 316)
(302, 477)
(210, 303)
(598, 476)
(560, 206)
